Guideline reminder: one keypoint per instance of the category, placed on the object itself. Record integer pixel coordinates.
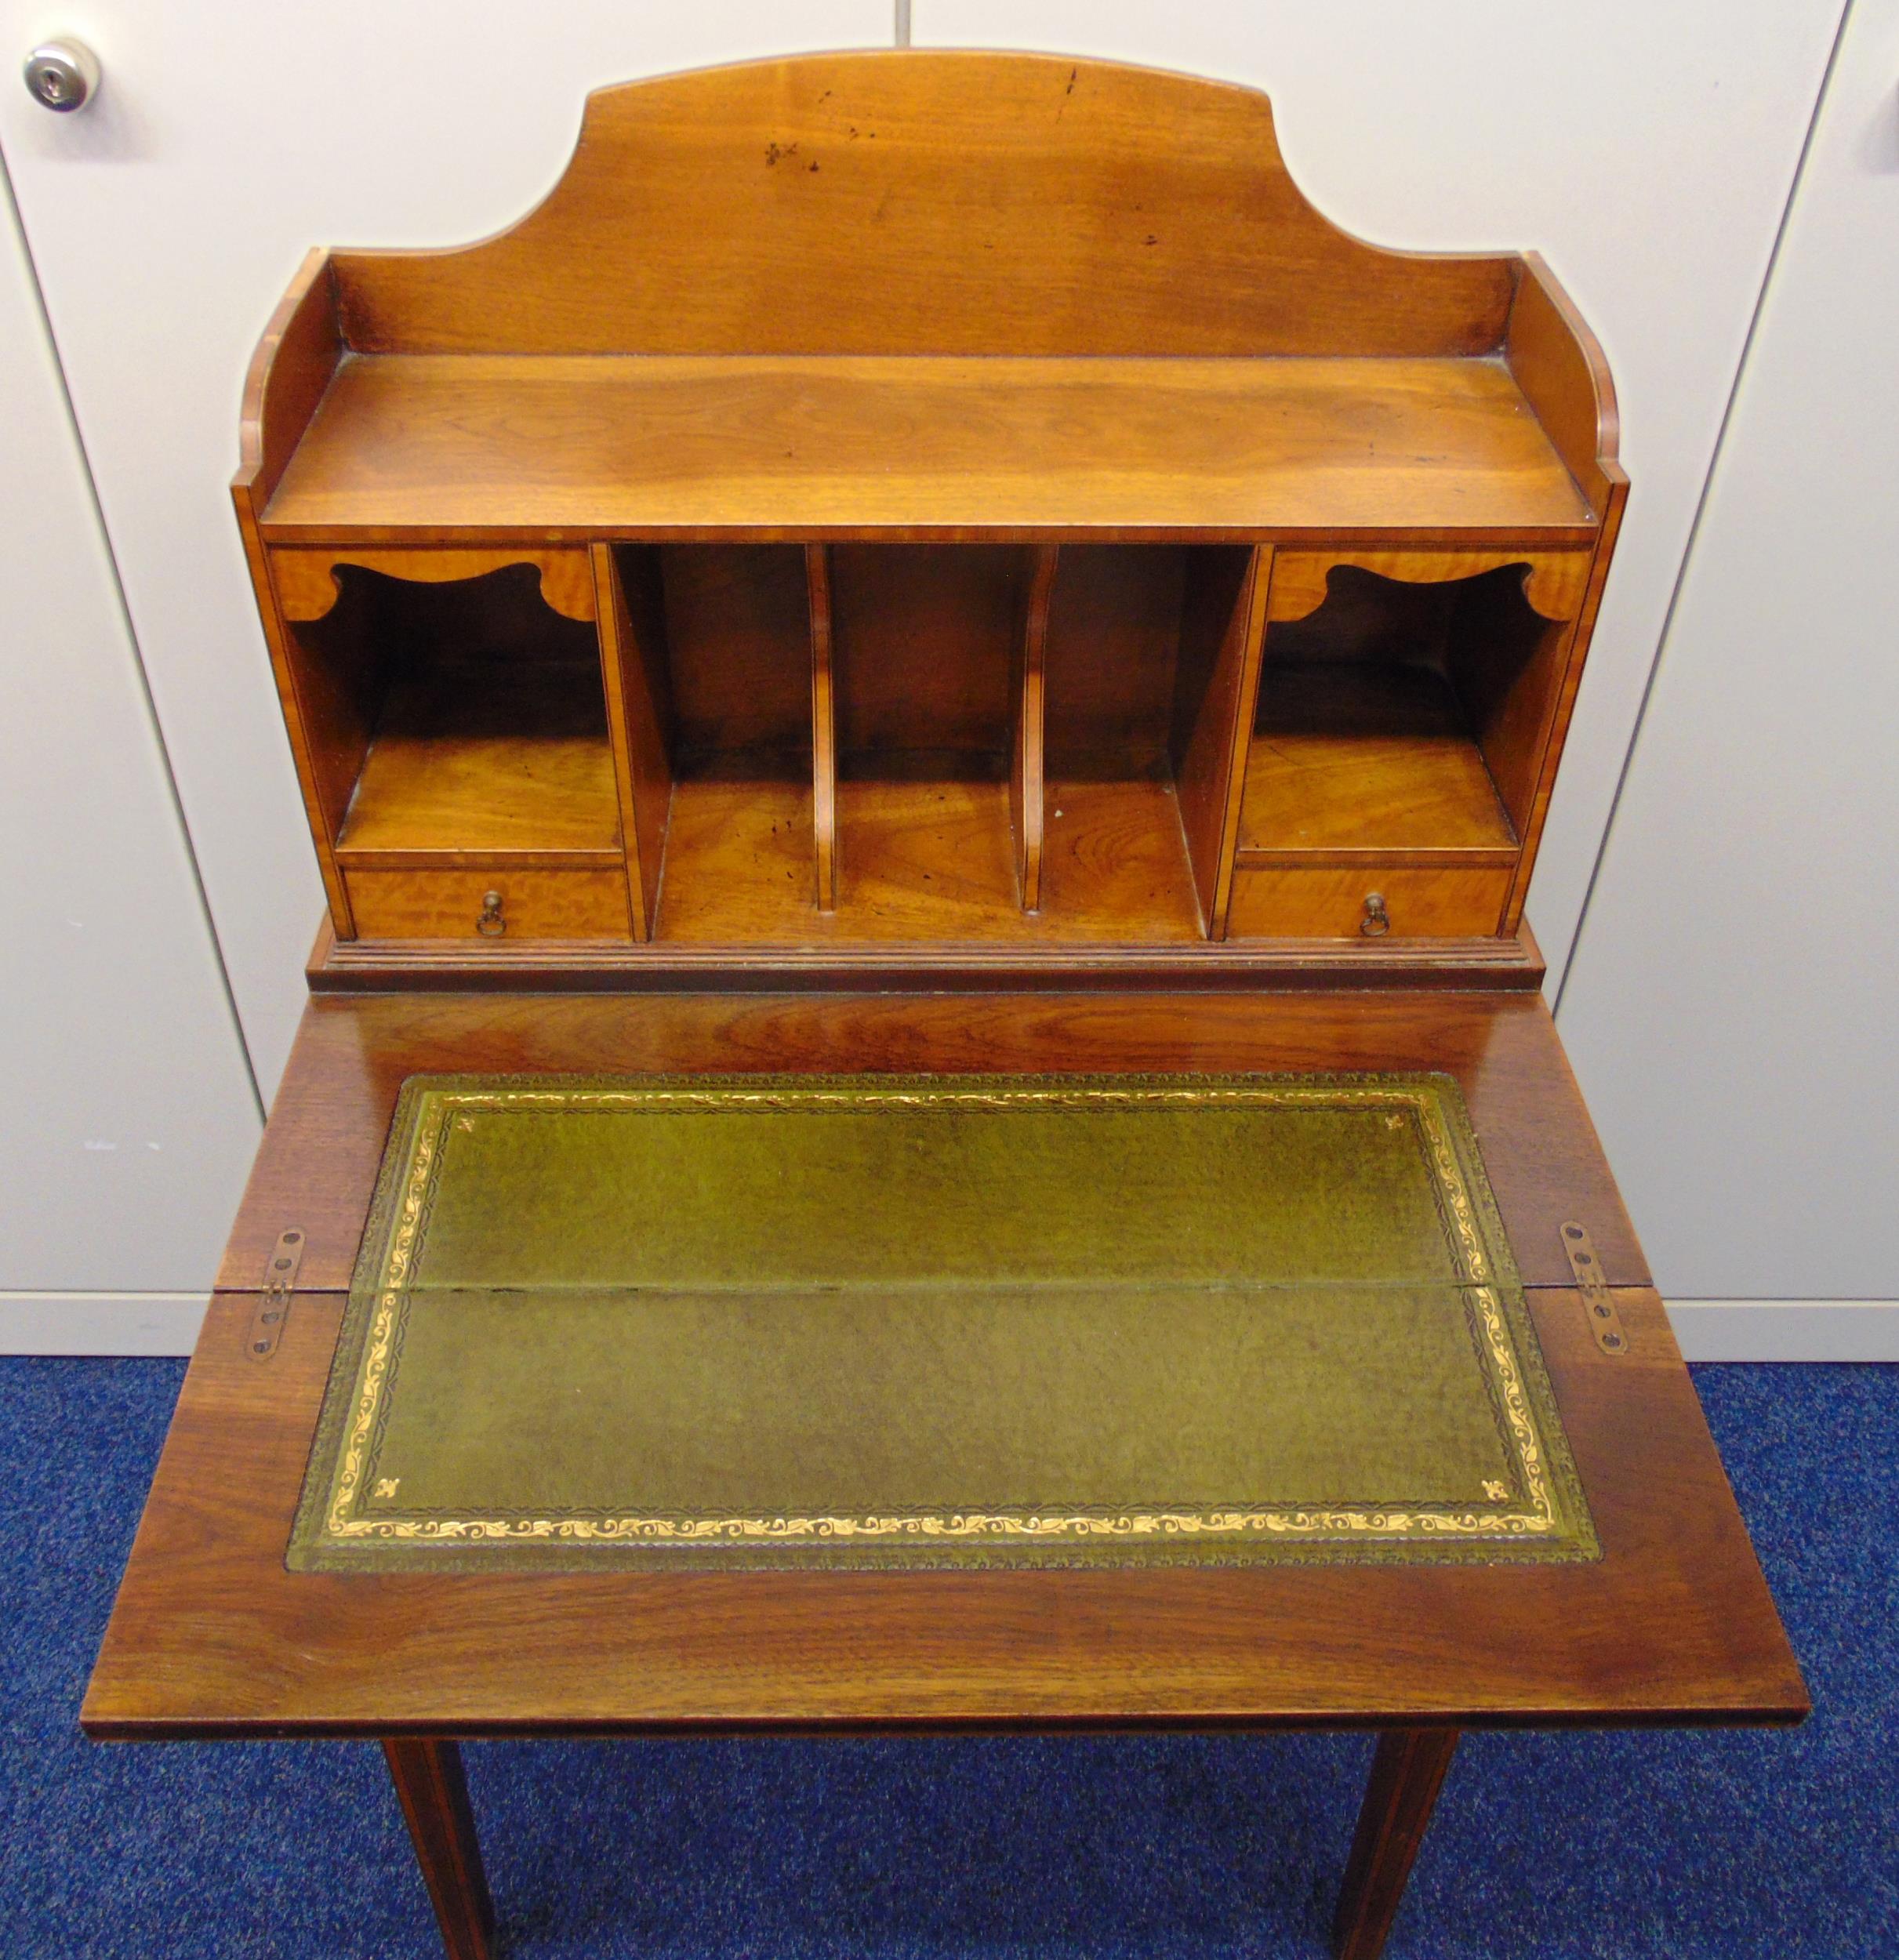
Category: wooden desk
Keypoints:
(889, 529)
(213, 1637)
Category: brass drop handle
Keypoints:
(1376, 921)
(490, 925)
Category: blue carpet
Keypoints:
(1733, 1844)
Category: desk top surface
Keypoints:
(212, 1635)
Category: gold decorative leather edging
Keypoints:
(349, 1519)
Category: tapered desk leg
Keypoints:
(435, 1793)
(1407, 1774)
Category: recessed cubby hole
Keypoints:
(720, 689)
(458, 721)
(925, 646)
(1114, 857)
(1401, 716)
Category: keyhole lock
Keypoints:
(490, 925)
(1376, 921)
(62, 76)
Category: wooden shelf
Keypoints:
(1114, 863)
(928, 857)
(932, 857)
(1366, 755)
(738, 866)
(801, 447)
(480, 760)
(924, 853)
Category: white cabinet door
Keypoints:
(127, 1115)
(1645, 147)
(230, 137)
(1733, 1011)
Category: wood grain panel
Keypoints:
(1114, 862)
(448, 904)
(293, 364)
(1113, 644)
(1559, 366)
(333, 679)
(1222, 618)
(924, 853)
(494, 760)
(824, 446)
(297, 720)
(1507, 666)
(1615, 501)
(1553, 581)
(1328, 901)
(1365, 755)
(737, 630)
(925, 202)
(920, 646)
(738, 855)
(306, 587)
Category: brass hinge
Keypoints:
(274, 1302)
(1597, 1302)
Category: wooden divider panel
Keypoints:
(633, 659)
(1222, 618)
(1027, 759)
(823, 728)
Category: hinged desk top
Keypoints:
(212, 1635)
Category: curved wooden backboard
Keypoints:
(913, 203)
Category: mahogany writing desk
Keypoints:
(937, 564)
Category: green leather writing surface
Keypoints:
(932, 1322)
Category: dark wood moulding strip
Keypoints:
(599, 967)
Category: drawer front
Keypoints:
(455, 904)
(1329, 903)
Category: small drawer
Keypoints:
(1366, 901)
(495, 907)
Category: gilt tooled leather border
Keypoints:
(1544, 1517)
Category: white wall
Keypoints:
(127, 1115)
(1646, 147)
(1733, 1011)
(166, 220)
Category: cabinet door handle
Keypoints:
(490, 925)
(1376, 921)
(62, 75)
